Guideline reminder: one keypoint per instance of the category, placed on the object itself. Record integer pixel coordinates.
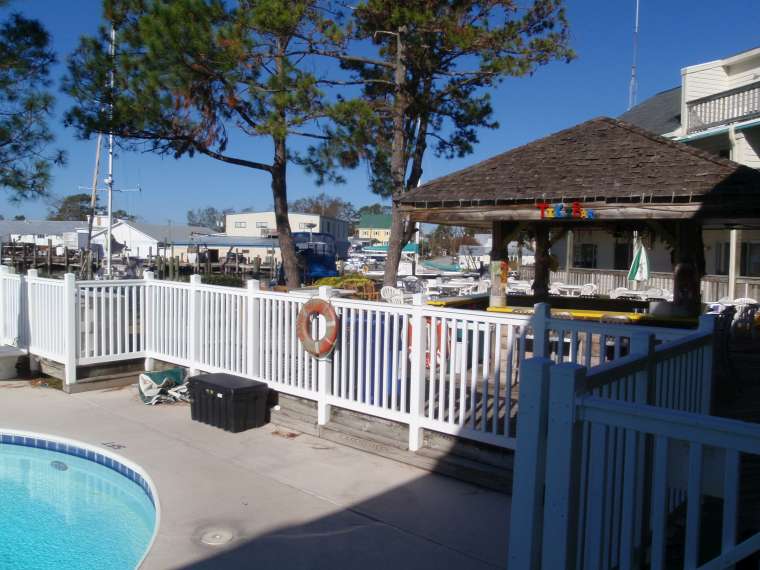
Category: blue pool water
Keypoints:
(61, 511)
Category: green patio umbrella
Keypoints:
(639, 270)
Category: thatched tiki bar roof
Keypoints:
(603, 172)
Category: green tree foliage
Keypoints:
(374, 209)
(25, 108)
(208, 217)
(428, 82)
(123, 215)
(201, 76)
(73, 207)
(77, 207)
(325, 205)
(445, 240)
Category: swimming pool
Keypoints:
(65, 504)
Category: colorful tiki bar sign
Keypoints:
(563, 211)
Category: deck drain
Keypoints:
(217, 536)
(59, 465)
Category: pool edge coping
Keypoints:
(98, 450)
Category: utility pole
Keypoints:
(109, 178)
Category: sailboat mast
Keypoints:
(633, 86)
(109, 179)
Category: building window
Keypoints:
(750, 263)
(623, 255)
(722, 256)
(241, 224)
(262, 225)
(585, 256)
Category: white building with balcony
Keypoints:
(264, 225)
(717, 109)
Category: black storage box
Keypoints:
(229, 402)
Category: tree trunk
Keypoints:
(541, 274)
(398, 167)
(284, 235)
(395, 246)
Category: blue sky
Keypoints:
(674, 34)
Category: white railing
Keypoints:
(607, 457)
(218, 327)
(47, 307)
(733, 105)
(714, 287)
(111, 317)
(449, 370)
(277, 357)
(14, 330)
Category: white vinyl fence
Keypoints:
(449, 370)
(611, 455)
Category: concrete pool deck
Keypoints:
(290, 501)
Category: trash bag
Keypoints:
(165, 386)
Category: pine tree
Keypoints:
(435, 61)
(201, 76)
(25, 107)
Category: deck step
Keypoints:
(480, 464)
(103, 382)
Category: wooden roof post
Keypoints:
(541, 275)
(501, 234)
(689, 266)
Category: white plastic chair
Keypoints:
(589, 290)
(389, 291)
(654, 293)
(618, 292)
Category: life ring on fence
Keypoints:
(325, 344)
(428, 336)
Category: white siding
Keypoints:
(745, 72)
(257, 224)
(704, 81)
(748, 147)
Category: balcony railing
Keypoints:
(729, 106)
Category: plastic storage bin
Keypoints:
(229, 402)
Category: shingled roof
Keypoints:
(601, 160)
(659, 114)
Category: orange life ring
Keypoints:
(325, 344)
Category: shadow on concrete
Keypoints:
(418, 525)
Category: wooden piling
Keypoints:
(49, 257)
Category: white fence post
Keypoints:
(3, 304)
(70, 316)
(324, 370)
(254, 332)
(31, 305)
(194, 324)
(530, 461)
(540, 324)
(149, 316)
(707, 324)
(417, 374)
(563, 449)
(643, 344)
